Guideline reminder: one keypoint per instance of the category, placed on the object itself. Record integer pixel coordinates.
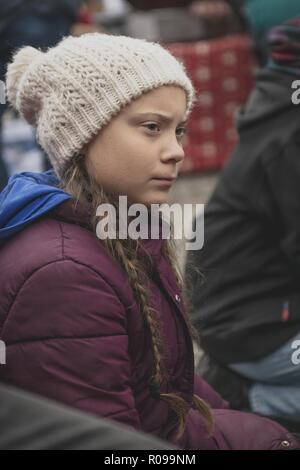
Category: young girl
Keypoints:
(101, 324)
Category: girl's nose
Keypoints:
(173, 151)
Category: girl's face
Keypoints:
(139, 146)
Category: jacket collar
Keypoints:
(79, 214)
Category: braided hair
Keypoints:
(83, 188)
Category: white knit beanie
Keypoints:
(74, 89)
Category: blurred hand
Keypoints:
(212, 11)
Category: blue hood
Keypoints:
(27, 197)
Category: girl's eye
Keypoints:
(182, 131)
(151, 126)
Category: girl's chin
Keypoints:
(157, 200)
(157, 197)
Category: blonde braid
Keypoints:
(82, 187)
(168, 251)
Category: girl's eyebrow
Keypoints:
(163, 117)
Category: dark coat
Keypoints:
(249, 303)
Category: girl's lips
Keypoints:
(163, 182)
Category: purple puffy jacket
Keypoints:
(74, 334)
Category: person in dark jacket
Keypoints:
(246, 305)
(95, 318)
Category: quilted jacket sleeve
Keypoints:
(207, 393)
(66, 336)
(235, 430)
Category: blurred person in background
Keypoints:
(229, 16)
(246, 302)
(255, 16)
(220, 17)
(35, 23)
(262, 15)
